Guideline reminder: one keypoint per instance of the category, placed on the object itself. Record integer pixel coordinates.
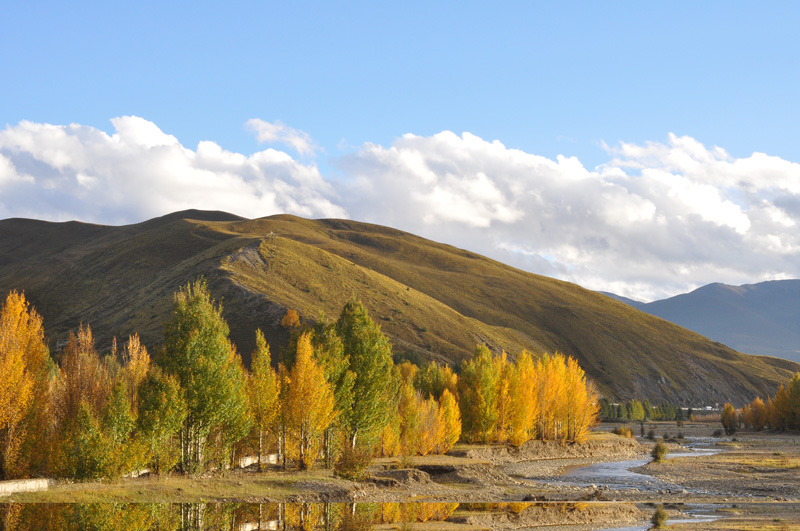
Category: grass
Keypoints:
(268, 486)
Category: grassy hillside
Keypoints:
(431, 299)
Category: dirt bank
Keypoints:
(524, 516)
(600, 445)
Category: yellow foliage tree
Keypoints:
(451, 420)
(729, 420)
(136, 363)
(581, 406)
(290, 320)
(23, 379)
(308, 405)
(503, 402)
(524, 400)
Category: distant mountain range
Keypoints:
(761, 318)
(434, 301)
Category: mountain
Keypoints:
(758, 318)
(431, 299)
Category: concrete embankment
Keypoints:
(25, 485)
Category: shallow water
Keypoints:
(620, 476)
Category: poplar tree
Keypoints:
(452, 421)
(329, 353)
(162, 412)
(375, 385)
(477, 389)
(433, 379)
(23, 381)
(308, 405)
(117, 424)
(524, 400)
(197, 350)
(264, 393)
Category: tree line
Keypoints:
(781, 412)
(336, 397)
(634, 409)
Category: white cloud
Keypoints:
(278, 132)
(79, 172)
(657, 219)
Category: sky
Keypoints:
(636, 147)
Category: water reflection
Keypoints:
(303, 516)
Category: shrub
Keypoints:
(651, 434)
(624, 431)
(659, 519)
(717, 433)
(352, 464)
(660, 451)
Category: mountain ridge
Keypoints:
(433, 300)
(758, 318)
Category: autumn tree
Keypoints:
(198, 352)
(729, 420)
(84, 386)
(581, 402)
(83, 376)
(375, 385)
(308, 405)
(290, 320)
(264, 394)
(451, 418)
(135, 364)
(23, 382)
(551, 380)
(505, 374)
(525, 400)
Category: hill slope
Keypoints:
(430, 298)
(756, 318)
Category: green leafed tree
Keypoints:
(197, 350)
(118, 423)
(374, 391)
(162, 412)
(86, 452)
(264, 394)
(477, 388)
(329, 354)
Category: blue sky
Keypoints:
(607, 83)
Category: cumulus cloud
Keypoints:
(657, 219)
(59, 172)
(280, 133)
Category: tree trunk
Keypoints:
(260, 451)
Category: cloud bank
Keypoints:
(60, 172)
(655, 220)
